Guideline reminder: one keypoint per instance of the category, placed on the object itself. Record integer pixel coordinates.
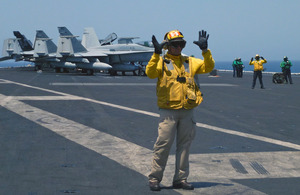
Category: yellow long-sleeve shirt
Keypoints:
(171, 93)
(154, 67)
(258, 64)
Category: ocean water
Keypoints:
(270, 66)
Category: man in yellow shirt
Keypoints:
(177, 94)
(258, 68)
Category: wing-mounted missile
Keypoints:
(97, 65)
(67, 65)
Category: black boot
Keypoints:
(154, 185)
(183, 184)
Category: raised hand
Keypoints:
(157, 47)
(202, 42)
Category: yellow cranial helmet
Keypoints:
(174, 38)
(173, 35)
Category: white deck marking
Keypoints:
(247, 135)
(204, 167)
(135, 84)
(280, 164)
(102, 84)
(260, 138)
(117, 149)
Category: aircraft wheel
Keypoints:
(38, 67)
(90, 72)
(113, 73)
(142, 73)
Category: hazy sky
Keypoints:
(237, 28)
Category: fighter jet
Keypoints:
(70, 53)
(44, 50)
(42, 53)
(10, 48)
(19, 48)
(125, 56)
(90, 54)
(25, 44)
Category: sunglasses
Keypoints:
(176, 44)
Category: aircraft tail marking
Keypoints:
(90, 38)
(11, 49)
(68, 44)
(25, 44)
(43, 45)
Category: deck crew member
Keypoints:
(286, 69)
(258, 68)
(239, 68)
(177, 95)
(234, 64)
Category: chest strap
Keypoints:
(170, 65)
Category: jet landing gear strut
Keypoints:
(88, 71)
(61, 70)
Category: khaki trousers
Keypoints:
(179, 123)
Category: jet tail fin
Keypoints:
(68, 44)
(10, 46)
(43, 45)
(25, 44)
(89, 38)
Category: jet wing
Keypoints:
(92, 53)
(5, 58)
(117, 57)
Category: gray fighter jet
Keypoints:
(18, 48)
(125, 56)
(71, 54)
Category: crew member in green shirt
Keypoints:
(239, 67)
(286, 69)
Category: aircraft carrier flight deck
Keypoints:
(64, 133)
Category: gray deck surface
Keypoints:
(71, 133)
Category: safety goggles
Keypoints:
(176, 44)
